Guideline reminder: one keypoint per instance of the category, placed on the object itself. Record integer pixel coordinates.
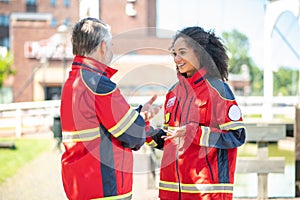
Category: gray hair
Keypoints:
(88, 34)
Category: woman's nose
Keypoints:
(177, 58)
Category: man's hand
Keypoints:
(149, 110)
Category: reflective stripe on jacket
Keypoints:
(201, 164)
(100, 129)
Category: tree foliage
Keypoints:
(285, 82)
(238, 50)
(5, 67)
(238, 46)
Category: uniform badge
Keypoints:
(234, 113)
(171, 102)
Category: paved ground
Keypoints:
(40, 180)
(37, 180)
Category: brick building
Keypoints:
(140, 55)
(34, 20)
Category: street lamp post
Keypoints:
(62, 32)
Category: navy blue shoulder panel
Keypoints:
(97, 83)
(222, 88)
(173, 86)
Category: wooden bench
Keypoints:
(262, 134)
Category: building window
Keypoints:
(32, 2)
(67, 22)
(4, 20)
(6, 94)
(31, 6)
(53, 3)
(53, 22)
(53, 92)
(4, 42)
(67, 3)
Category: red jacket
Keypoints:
(100, 129)
(201, 164)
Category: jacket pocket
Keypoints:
(198, 112)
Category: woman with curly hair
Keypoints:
(203, 124)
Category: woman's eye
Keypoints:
(173, 54)
(182, 53)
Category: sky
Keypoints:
(247, 16)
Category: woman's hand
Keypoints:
(171, 134)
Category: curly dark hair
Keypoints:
(211, 51)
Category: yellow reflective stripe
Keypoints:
(167, 117)
(127, 196)
(126, 121)
(152, 143)
(168, 189)
(172, 128)
(232, 125)
(208, 188)
(197, 188)
(165, 126)
(204, 139)
(81, 135)
(169, 186)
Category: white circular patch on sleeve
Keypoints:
(234, 113)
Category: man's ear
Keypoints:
(103, 48)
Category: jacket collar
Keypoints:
(93, 65)
(194, 80)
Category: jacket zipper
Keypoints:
(175, 115)
(189, 107)
(208, 164)
(183, 105)
(122, 168)
(177, 171)
(177, 156)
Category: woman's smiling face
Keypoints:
(184, 57)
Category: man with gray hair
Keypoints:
(99, 127)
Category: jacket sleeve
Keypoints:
(122, 121)
(226, 128)
(154, 138)
(115, 114)
(229, 137)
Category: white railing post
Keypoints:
(18, 122)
